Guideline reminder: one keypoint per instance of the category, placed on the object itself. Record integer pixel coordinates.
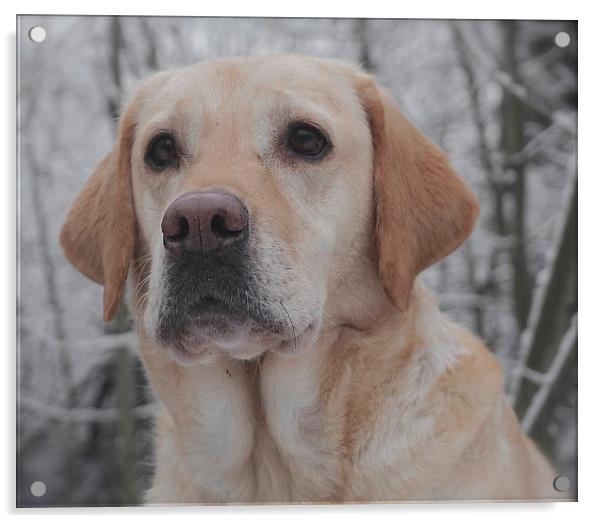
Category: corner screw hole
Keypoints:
(562, 484)
(562, 39)
(38, 489)
(37, 34)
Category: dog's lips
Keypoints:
(212, 327)
(187, 354)
(213, 318)
(212, 311)
(205, 318)
(199, 315)
(298, 341)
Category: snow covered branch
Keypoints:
(101, 343)
(544, 281)
(567, 346)
(84, 415)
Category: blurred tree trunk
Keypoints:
(115, 50)
(126, 464)
(546, 382)
(513, 142)
(493, 174)
(550, 320)
(363, 37)
(506, 185)
(150, 44)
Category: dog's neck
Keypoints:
(307, 414)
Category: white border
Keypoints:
(590, 363)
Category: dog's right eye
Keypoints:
(162, 152)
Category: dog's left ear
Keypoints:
(424, 210)
(99, 233)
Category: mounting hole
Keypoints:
(562, 39)
(37, 34)
(562, 484)
(38, 489)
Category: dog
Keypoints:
(269, 217)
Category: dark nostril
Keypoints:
(220, 228)
(182, 231)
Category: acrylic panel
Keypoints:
(296, 260)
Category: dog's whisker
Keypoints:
(152, 209)
(140, 305)
(294, 349)
(248, 306)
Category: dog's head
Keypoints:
(257, 202)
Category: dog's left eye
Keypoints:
(162, 152)
(308, 141)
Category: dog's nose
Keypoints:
(204, 222)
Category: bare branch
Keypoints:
(465, 300)
(107, 342)
(544, 279)
(537, 144)
(520, 92)
(85, 415)
(567, 346)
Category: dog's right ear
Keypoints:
(98, 235)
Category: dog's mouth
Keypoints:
(218, 319)
(241, 329)
(214, 313)
(207, 306)
(209, 315)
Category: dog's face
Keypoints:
(263, 201)
(249, 179)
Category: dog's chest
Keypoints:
(254, 434)
(293, 422)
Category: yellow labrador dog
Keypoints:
(270, 216)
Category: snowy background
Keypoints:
(499, 97)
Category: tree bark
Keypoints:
(551, 318)
(513, 142)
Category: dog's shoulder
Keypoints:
(470, 390)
